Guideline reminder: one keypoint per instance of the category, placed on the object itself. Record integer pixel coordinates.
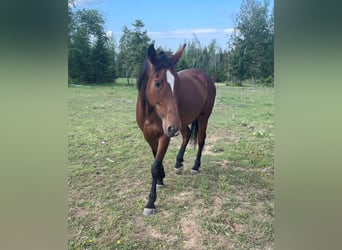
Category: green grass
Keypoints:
(229, 205)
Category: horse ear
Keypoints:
(152, 54)
(175, 57)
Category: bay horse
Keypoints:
(167, 103)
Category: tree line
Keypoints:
(95, 57)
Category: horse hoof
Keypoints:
(160, 186)
(148, 211)
(194, 172)
(179, 170)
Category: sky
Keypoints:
(170, 23)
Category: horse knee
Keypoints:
(157, 169)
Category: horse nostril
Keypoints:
(172, 131)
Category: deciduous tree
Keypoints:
(251, 44)
(91, 55)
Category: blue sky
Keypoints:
(170, 23)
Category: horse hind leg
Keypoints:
(179, 159)
(202, 128)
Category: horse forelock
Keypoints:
(163, 62)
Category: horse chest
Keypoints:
(152, 125)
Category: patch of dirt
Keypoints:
(77, 213)
(210, 142)
(212, 139)
(190, 231)
(225, 165)
(207, 150)
(195, 236)
(154, 233)
(184, 196)
(218, 202)
(165, 214)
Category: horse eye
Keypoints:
(157, 84)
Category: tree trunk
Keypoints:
(128, 74)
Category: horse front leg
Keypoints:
(154, 146)
(157, 171)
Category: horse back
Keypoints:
(196, 94)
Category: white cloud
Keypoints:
(109, 33)
(189, 33)
(87, 2)
(230, 30)
(173, 38)
(197, 31)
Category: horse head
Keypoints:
(161, 88)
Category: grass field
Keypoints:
(229, 205)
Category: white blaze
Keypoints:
(170, 79)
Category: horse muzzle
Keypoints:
(172, 131)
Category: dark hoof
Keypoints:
(179, 170)
(194, 172)
(148, 211)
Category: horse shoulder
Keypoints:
(140, 116)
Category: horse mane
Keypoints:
(143, 76)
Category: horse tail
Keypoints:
(194, 132)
